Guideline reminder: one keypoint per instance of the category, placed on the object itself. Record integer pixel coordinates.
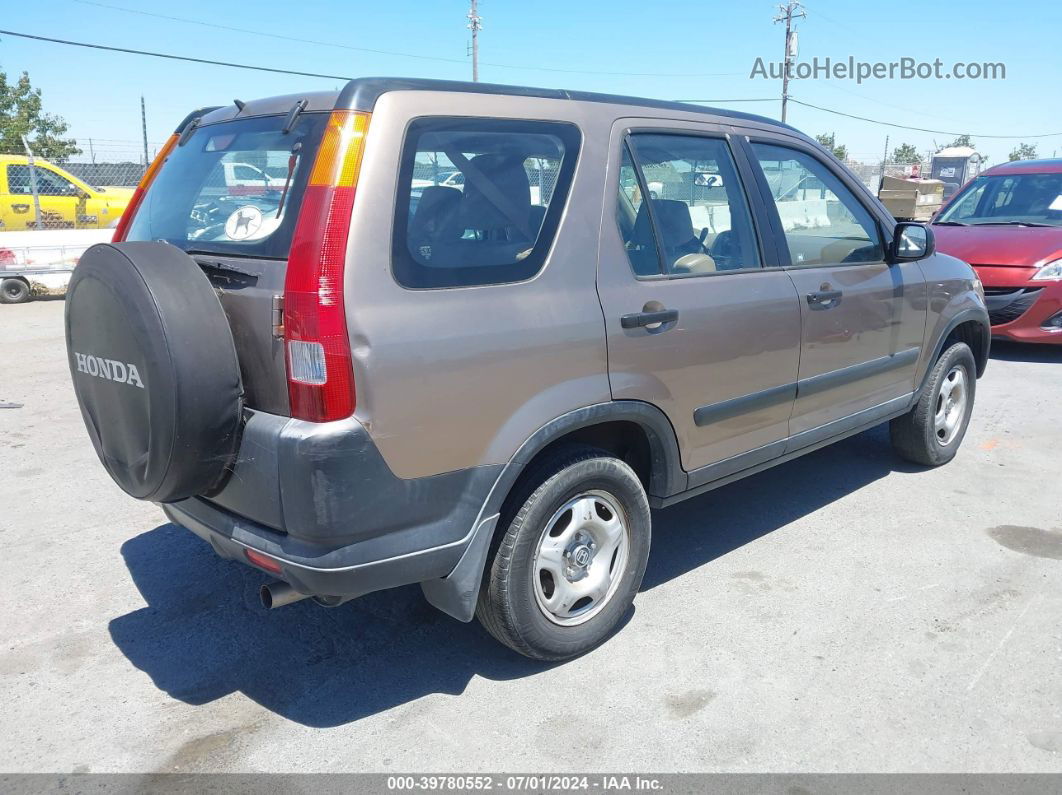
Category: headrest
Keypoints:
(435, 210)
(481, 210)
(673, 218)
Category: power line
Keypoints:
(169, 56)
(711, 101)
(317, 42)
(274, 70)
(916, 129)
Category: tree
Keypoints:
(906, 153)
(1023, 152)
(962, 140)
(21, 114)
(830, 142)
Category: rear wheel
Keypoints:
(14, 291)
(571, 559)
(930, 434)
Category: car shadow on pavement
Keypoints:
(701, 529)
(1008, 351)
(204, 634)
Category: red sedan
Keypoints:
(1007, 223)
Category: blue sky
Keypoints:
(695, 49)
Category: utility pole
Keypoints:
(475, 24)
(143, 127)
(787, 13)
(33, 184)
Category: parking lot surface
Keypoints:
(842, 612)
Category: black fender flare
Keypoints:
(964, 316)
(456, 594)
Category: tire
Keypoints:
(571, 501)
(14, 291)
(154, 369)
(921, 435)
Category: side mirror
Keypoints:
(911, 241)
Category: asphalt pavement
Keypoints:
(843, 612)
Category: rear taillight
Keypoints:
(320, 371)
(138, 195)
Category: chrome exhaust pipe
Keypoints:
(278, 594)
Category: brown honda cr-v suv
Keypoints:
(467, 336)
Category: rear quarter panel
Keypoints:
(453, 378)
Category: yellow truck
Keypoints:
(66, 202)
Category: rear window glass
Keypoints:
(479, 200)
(233, 188)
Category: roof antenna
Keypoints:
(240, 104)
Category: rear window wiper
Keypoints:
(215, 264)
(293, 158)
(293, 115)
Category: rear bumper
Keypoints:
(231, 536)
(320, 500)
(1021, 315)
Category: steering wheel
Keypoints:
(724, 249)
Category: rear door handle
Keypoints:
(642, 319)
(824, 299)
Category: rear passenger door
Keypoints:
(863, 319)
(697, 320)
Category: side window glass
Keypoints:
(696, 207)
(823, 221)
(48, 182)
(638, 238)
(18, 179)
(480, 200)
(51, 184)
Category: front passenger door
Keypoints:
(862, 319)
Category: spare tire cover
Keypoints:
(154, 369)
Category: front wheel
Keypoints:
(571, 559)
(931, 432)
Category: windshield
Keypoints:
(1020, 199)
(233, 188)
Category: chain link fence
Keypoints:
(870, 174)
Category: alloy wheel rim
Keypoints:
(950, 406)
(580, 558)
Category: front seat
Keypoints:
(677, 238)
(496, 209)
(497, 198)
(435, 214)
